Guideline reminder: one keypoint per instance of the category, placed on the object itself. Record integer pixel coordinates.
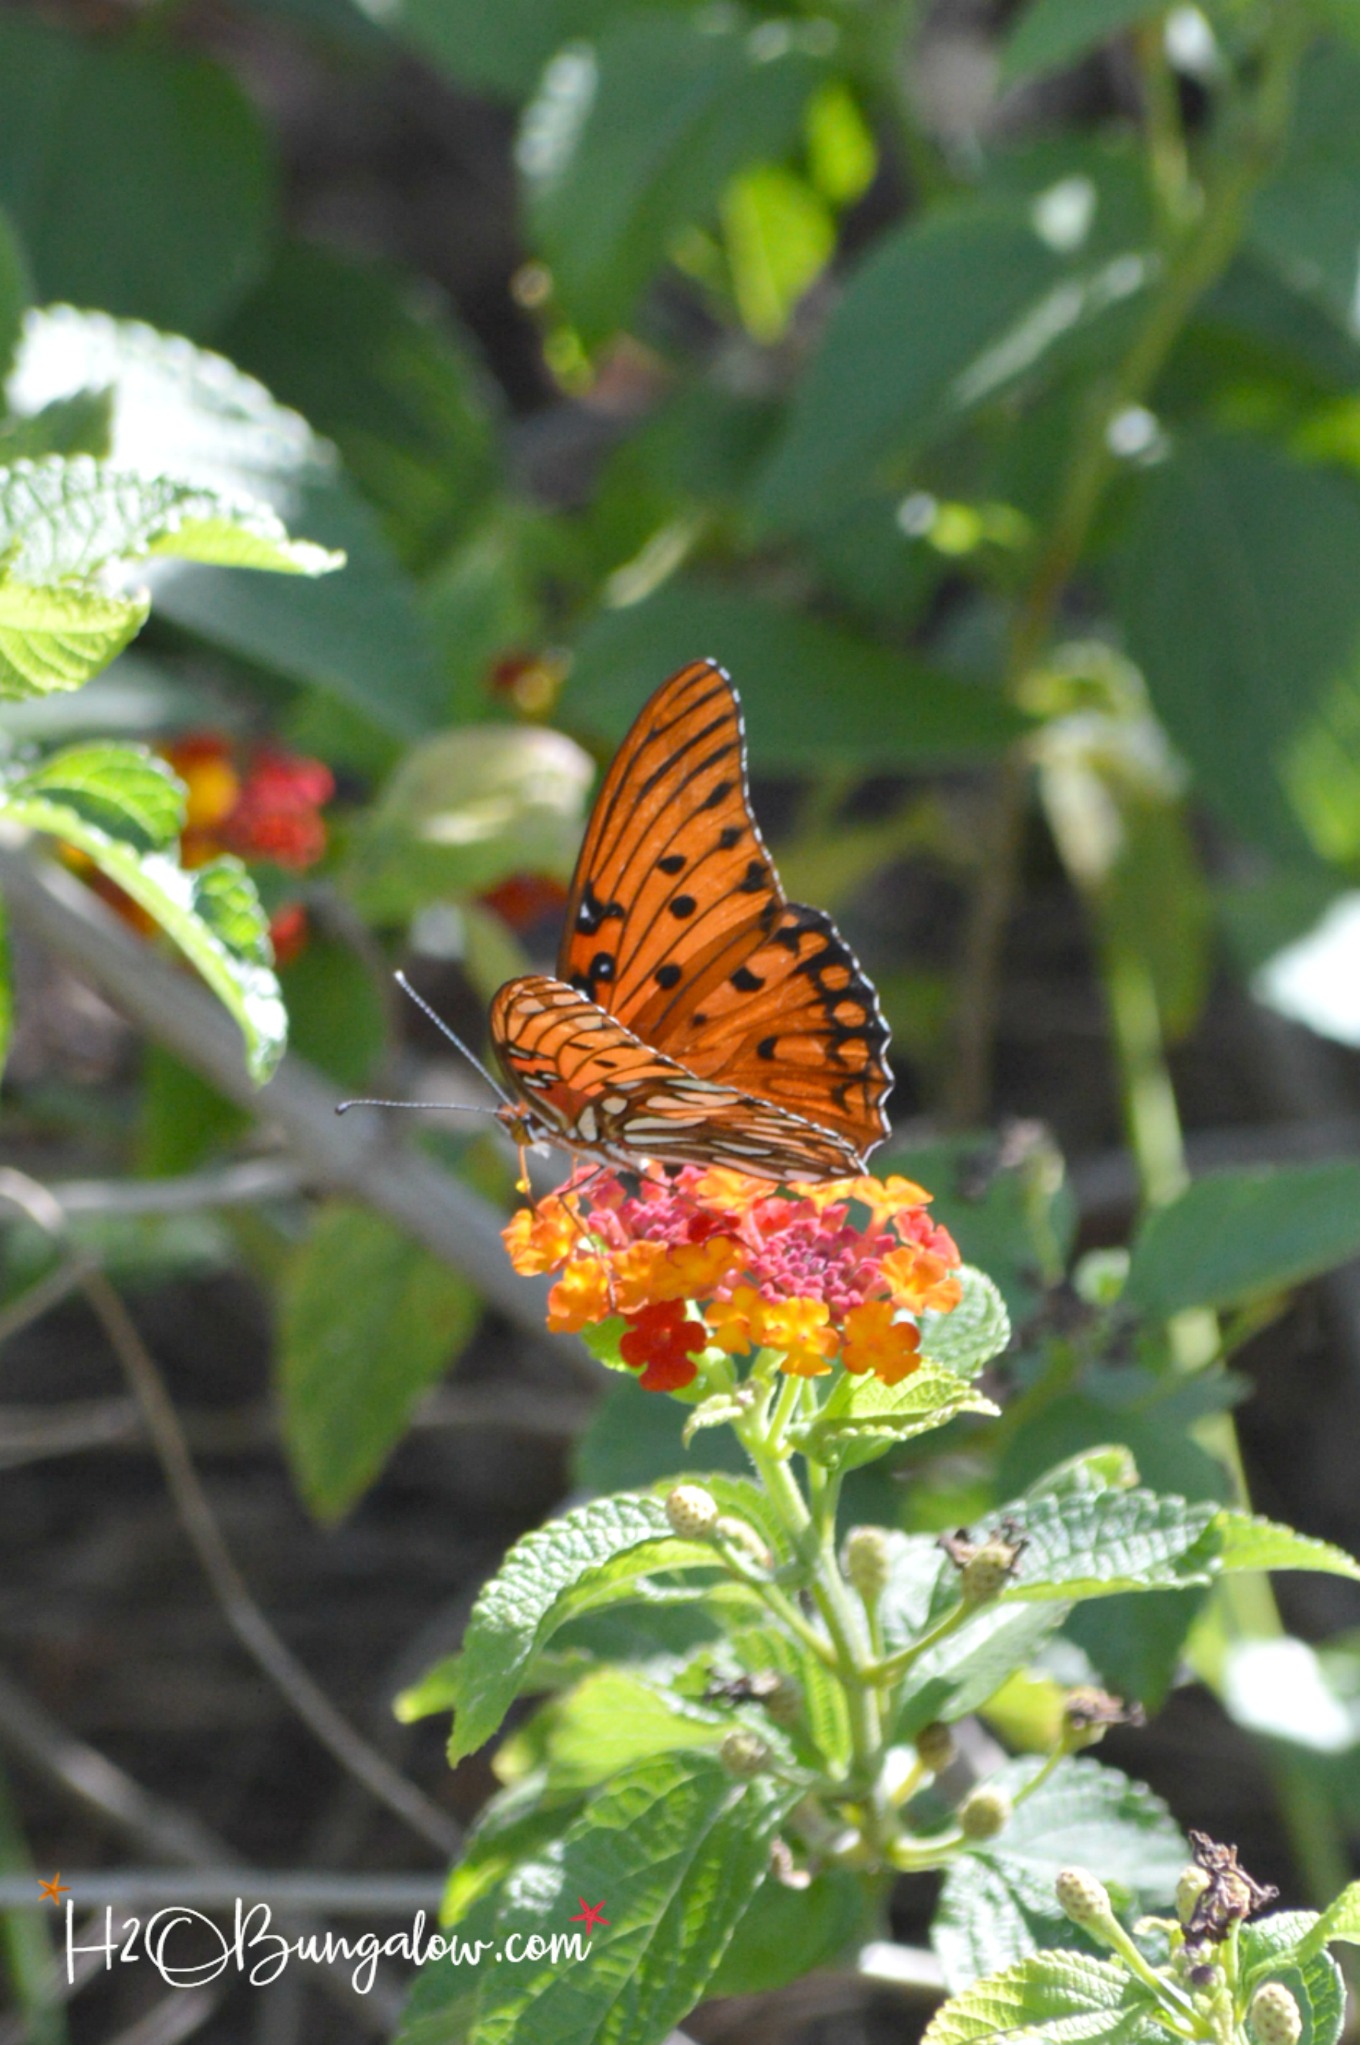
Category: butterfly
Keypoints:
(697, 1016)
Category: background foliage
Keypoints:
(983, 389)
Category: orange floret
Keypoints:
(874, 1341)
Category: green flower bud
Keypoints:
(744, 1753)
(1191, 1886)
(867, 1561)
(935, 1747)
(987, 1573)
(692, 1512)
(984, 1813)
(785, 1701)
(1273, 2017)
(1082, 1898)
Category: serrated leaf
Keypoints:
(1092, 1544)
(183, 412)
(1281, 1948)
(354, 1359)
(213, 914)
(1109, 1467)
(677, 1850)
(998, 1905)
(63, 518)
(546, 1578)
(605, 1723)
(1249, 1542)
(973, 1332)
(1234, 1235)
(1340, 1921)
(1062, 1996)
(56, 639)
(959, 1674)
(126, 791)
(877, 1413)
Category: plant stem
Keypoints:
(1196, 261)
(894, 1665)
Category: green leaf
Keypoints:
(15, 292)
(354, 1358)
(57, 639)
(997, 1905)
(138, 177)
(1063, 1996)
(500, 49)
(960, 1673)
(546, 1578)
(180, 412)
(984, 298)
(1340, 1921)
(1052, 33)
(608, 1721)
(677, 1850)
(77, 425)
(1280, 1948)
(386, 377)
(1305, 220)
(465, 809)
(814, 694)
(631, 1439)
(1091, 1544)
(633, 138)
(124, 791)
(1239, 1235)
(1241, 605)
(1247, 1542)
(779, 236)
(875, 1414)
(786, 1933)
(970, 1334)
(213, 914)
(69, 518)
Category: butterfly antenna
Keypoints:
(445, 1107)
(473, 1060)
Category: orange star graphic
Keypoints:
(54, 1890)
(590, 1915)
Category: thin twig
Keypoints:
(237, 1185)
(239, 1608)
(359, 1155)
(151, 1823)
(135, 1888)
(47, 1292)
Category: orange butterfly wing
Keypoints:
(678, 927)
(602, 1090)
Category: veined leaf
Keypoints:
(877, 1413)
(547, 1578)
(1065, 1997)
(56, 639)
(1091, 1544)
(213, 914)
(180, 411)
(354, 1359)
(1247, 1542)
(677, 1850)
(125, 791)
(1281, 1948)
(60, 519)
(1339, 1921)
(973, 1332)
(998, 1904)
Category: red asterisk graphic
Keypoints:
(590, 1915)
(53, 1890)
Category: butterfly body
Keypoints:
(697, 1016)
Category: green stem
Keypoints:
(881, 1673)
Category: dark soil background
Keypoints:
(106, 1624)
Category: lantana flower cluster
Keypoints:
(712, 1259)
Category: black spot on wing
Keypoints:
(754, 879)
(674, 862)
(745, 981)
(730, 835)
(682, 906)
(667, 976)
(717, 795)
(592, 912)
(766, 1047)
